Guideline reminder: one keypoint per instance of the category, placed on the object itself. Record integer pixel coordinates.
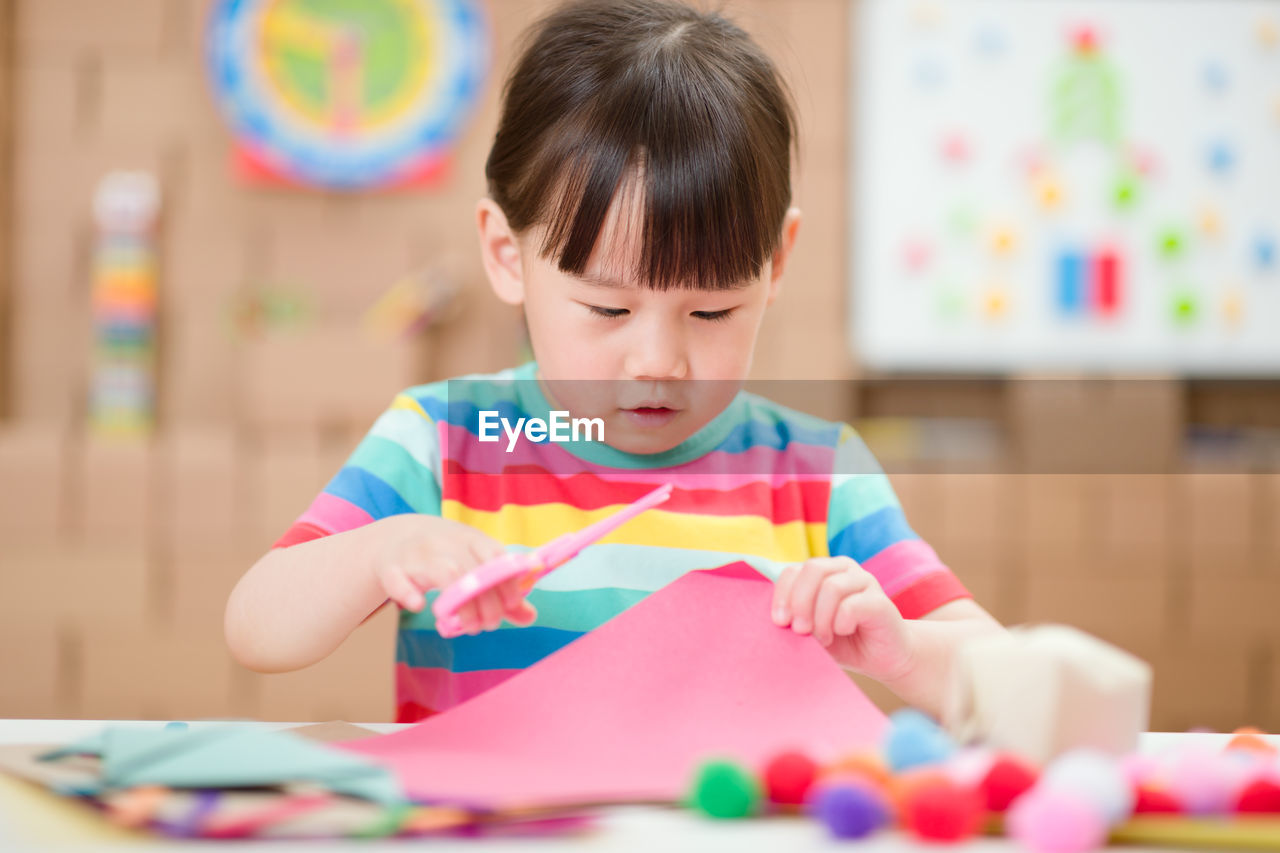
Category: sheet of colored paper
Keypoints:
(626, 712)
(34, 818)
(227, 757)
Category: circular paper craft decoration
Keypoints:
(347, 94)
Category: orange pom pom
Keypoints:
(1251, 740)
(865, 764)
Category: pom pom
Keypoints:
(1260, 795)
(1251, 740)
(904, 783)
(1205, 781)
(866, 765)
(1056, 821)
(969, 765)
(723, 789)
(1151, 799)
(1096, 776)
(942, 810)
(1138, 767)
(1007, 779)
(849, 808)
(788, 777)
(914, 740)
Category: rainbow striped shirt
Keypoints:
(760, 483)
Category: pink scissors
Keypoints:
(530, 565)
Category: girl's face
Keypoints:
(608, 347)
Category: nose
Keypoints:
(658, 352)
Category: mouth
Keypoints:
(651, 414)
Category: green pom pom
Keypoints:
(725, 790)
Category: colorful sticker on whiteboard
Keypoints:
(1094, 190)
(347, 94)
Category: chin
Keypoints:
(634, 441)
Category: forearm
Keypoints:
(297, 604)
(934, 643)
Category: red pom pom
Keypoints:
(1151, 800)
(1260, 795)
(942, 810)
(1006, 780)
(788, 778)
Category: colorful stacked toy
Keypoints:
(122, 380)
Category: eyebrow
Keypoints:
(613, 283)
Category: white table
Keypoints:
(621, 828)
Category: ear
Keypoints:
(778, 264)
(500, 252)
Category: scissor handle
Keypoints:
(531, 564)
(482, 578)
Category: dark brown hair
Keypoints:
(684, 102)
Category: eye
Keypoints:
(713, 316)
(611, 313)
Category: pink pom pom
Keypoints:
(1138, 768)
(1095, 776)
(1205, 781)
(969, 766)
(1056, 821)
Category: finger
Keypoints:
(482, 548)
(782, 596)
(511, 593)
(804, 592)
(434, 571)
(524, 614)
(515, 608)
(857, 610)
(489, 609)
(400, 589)
(469, 618)
(835, 589)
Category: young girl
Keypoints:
(639, 210)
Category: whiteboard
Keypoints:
(1056, 185)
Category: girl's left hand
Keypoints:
(842, 605)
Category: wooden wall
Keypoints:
(117, 559)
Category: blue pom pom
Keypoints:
(914, 740)
(850, 809)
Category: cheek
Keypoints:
(724, 351)
(566, 343)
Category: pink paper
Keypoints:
(626, 712)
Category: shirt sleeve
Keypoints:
(393, 471)
(865, 522)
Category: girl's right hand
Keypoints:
(424, 552)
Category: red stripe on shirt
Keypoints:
(929, 593)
